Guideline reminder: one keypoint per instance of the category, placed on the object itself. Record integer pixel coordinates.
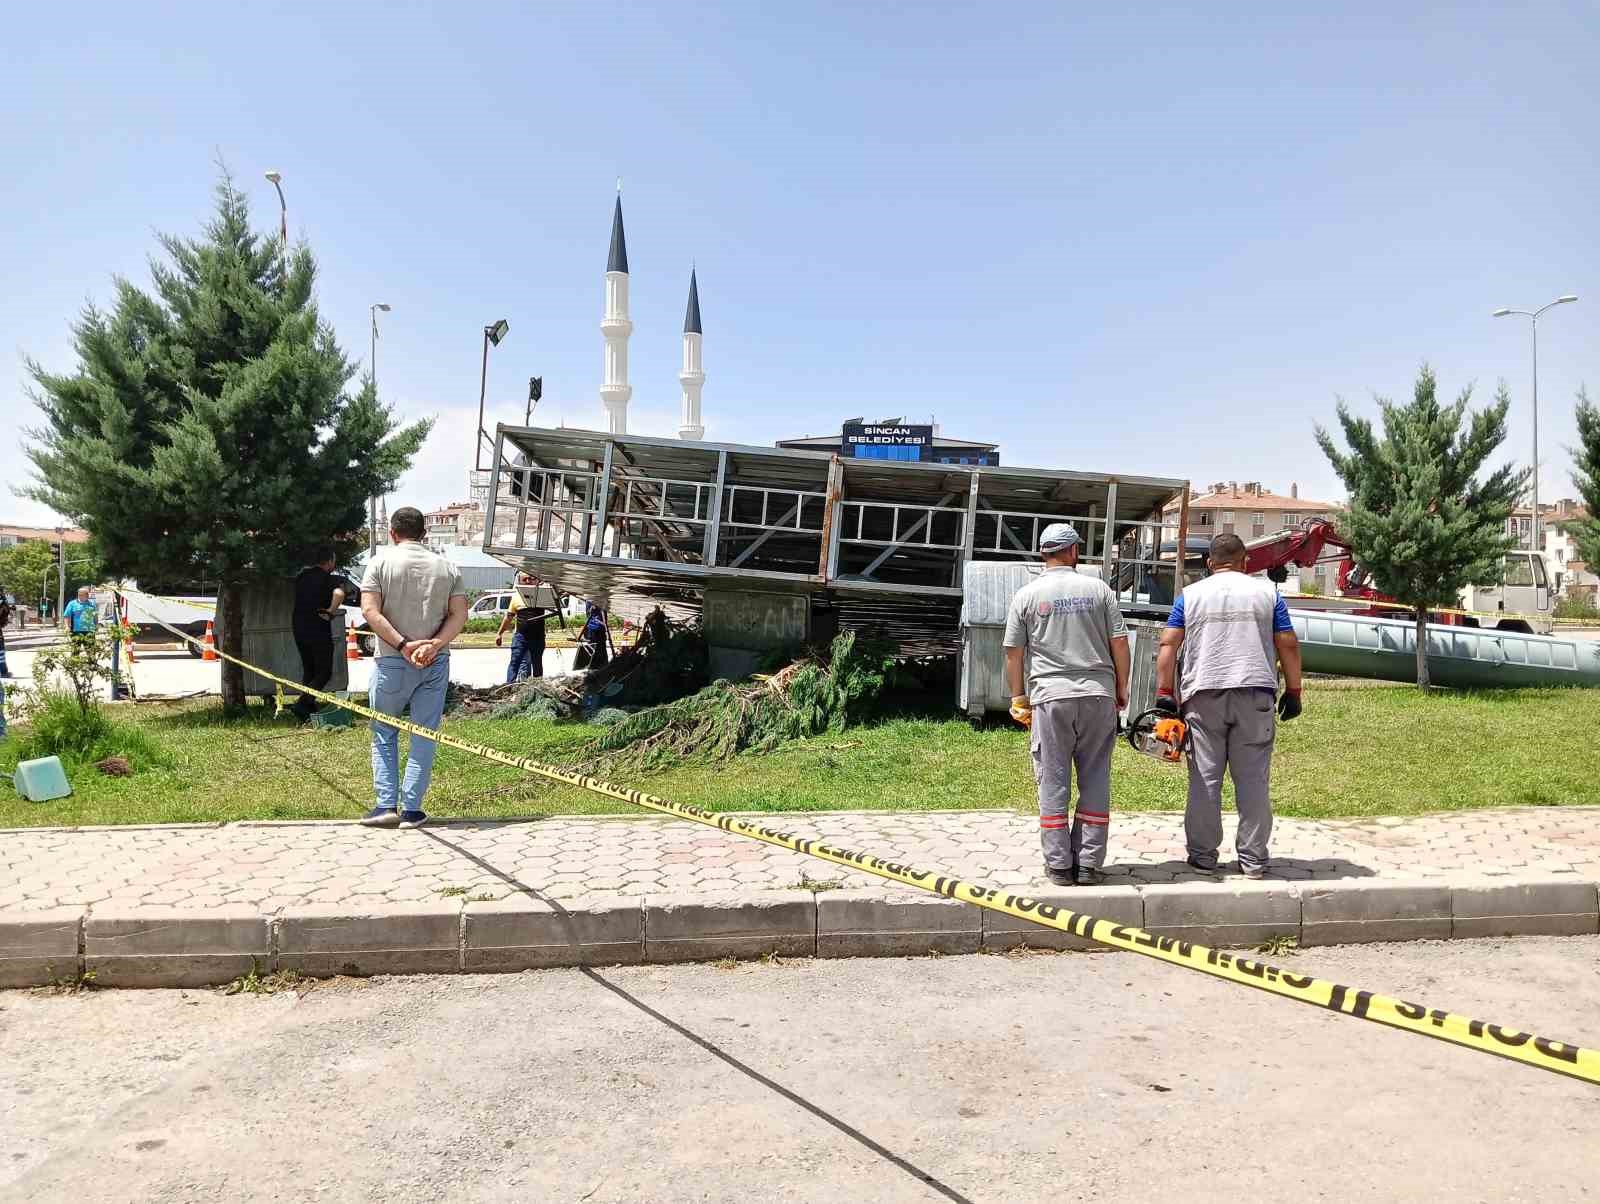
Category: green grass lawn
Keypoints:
(1368, 750)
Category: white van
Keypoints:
(1524, 598)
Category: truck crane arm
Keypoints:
(1301, 546)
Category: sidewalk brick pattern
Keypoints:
(275, 865)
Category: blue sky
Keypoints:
(1143, 240)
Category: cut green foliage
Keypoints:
(805, 699)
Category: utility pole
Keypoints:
(1535, 542)
(61, 573)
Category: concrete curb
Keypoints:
(168, 947)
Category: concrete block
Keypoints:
(522, 933)
(1360, 910)
(165, 947)
(1119, 904)
(679, 928)
(396, 938)
(37, 947)
(1224, 913)
(894, 923)
(1519, 907)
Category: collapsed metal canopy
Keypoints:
(608, 516)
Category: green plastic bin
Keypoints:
(41, 780)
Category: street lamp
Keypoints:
(283, 217)
(1533, 325)
(372, 367)
(492, 334)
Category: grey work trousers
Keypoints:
(1068, 733)
(1229, 730)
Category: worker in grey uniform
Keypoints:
(1067, 665)
(1233, 631)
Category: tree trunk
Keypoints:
(231, 598)
(1422, 650)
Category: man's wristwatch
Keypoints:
(402, 646)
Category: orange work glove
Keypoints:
(1022, 710)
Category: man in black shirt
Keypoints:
(318, 594)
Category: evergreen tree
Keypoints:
(207, 433)
(1586, 462)
(1420, 519)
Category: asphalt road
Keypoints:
(1043, 1077)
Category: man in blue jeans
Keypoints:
(415, 605)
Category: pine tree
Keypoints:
(1420, 519)
(1586, 476)
(207, 433)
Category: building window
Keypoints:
(1227, 519)
(1202, 518)
(1258, 519)
(1291, 520)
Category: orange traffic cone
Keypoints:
(208, 651)
(351, 651)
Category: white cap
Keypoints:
(1057, 537)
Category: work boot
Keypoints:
(1205, 867)
(1088, 875)
(1060, 877)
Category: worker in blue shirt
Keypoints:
(1233, 631)
(82, 615)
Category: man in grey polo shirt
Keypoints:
(1067, 663)
(414, 602)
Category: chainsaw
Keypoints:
(1161, 735)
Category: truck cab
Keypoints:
(1524, 599)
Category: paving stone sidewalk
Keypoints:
(273, 865)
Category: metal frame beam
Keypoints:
(902, 540)
(713, 533)
(769, 532)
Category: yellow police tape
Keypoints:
(1556, 1056)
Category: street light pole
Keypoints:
(283, 220)
(61, 573)
(1534, 541)
(492, 334)
(372, 366)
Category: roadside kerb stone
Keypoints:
(891, 923)
(37, 947)
(164, 947)
(1222, 913)
(1523, 907)
(684, 927)
(1349, 912)
(522, 933)
(1119, 904)
(394, 938)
